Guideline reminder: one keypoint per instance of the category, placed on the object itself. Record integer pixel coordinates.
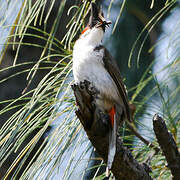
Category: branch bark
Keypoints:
(95, 123)
(168, 146)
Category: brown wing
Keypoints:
(113, 70)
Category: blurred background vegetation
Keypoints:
(40, 137)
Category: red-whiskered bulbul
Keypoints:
(93, 62)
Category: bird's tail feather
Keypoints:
(112, 146)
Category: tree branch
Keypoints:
(168, 146)
(95, 123)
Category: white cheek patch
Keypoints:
(92, 37)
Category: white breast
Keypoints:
(88, 65)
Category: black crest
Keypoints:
(97, 18)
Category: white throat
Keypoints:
(92, 37)
(87, 61)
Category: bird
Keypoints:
(93, 62)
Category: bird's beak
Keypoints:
(103, 21)
(97, 19)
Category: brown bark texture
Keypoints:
(168, 146)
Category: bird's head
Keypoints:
(94, 31)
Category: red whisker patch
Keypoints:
(85, 29)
